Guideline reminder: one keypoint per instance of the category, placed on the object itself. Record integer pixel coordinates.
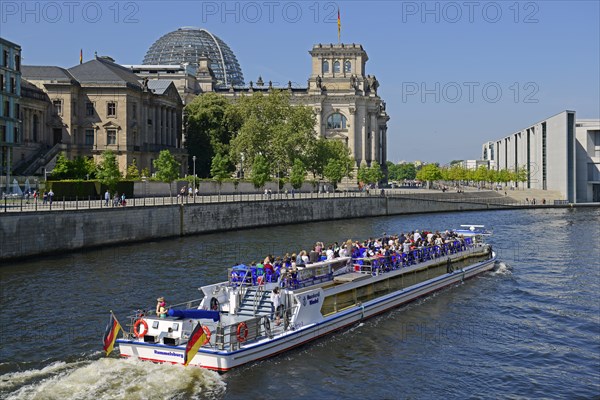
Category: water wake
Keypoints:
(110, 378)
(502, 268)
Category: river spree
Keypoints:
(530, 329)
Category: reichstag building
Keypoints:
(343, 95)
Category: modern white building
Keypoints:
(587, 134)
(487, 154)
(559, 153)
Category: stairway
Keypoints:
(255, 302)
(44, 160)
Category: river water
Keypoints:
(530, 329)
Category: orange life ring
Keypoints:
(206, 330)
(140, 333)
(242, 332)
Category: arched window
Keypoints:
(325, 66)
(336, 67)
(336, 121)
(347, 66)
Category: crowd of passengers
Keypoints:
(391, 250)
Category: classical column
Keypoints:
(374, 138)
(163, 126)
(363, 132)
(352, 134)
(318, 111)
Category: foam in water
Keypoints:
(502, 268)
(110, 378)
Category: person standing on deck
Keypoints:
(276, 300)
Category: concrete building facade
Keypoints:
(559, 153)
(587, 132)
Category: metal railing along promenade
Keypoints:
(22, 204)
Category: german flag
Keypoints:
(339, 22)
(197, 339)
(110, 334)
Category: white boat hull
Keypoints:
(226, 360)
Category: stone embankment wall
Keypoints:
(26, 234)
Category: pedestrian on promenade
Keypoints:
(45, 197)
(50, 196)
(106, 198)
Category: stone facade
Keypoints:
(10, 93)
(100, 105)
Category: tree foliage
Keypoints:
(78, 168)
(221, 168)
(132, 171)
(324, 152)
(167, 168)
(211, 124)
(260, 171)
(108, 170)
(297, 174)
(429, 173)
(273, 128)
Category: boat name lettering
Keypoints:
(313, 298)
(168, 353)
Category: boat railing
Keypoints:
(143, 313)
(379, 264)
(234, 336)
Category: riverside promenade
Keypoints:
(35, 229)
(513, 198)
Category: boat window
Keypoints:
(155, 325)
(175, 327)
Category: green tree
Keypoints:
(480, 174)
(504, 176)
(375, 175)
(272, 127)
(521, 174)
(220, 169)
(108, 170)
(167, 168)
(260, 171)
(62, 168)
(406, 171)
(145, 173)
(132, 171)
(363, 174)
(211, 123)
(429, 173)
(393, 171)
(325, 150)
(298, 174)
(335, 171)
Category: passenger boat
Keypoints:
(240, 323)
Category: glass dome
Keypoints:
(186, 45)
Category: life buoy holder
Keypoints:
(140, 333)
(206, 330)
(242, 332)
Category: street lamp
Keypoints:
(242, 166)
(194, 184)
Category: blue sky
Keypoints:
(453, 74)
